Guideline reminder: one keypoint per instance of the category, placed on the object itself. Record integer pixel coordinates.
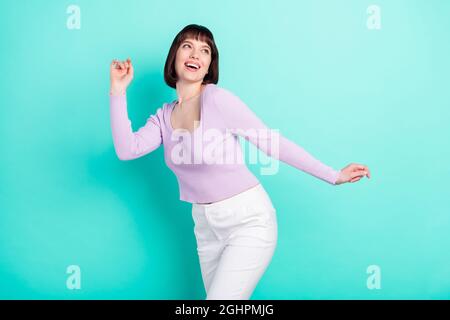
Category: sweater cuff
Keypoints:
(335, 176)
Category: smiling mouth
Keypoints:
(191, 67)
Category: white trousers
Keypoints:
(236, 239)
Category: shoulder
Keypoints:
(165, 108)
(216, 90)
(223, 97)
(160, 113)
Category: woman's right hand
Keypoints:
(121, 74)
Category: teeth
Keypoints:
(192, 65)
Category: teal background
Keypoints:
(310, 68)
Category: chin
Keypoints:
(192, 77)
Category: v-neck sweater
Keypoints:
(208, 162)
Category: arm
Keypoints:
(128, 144)
(243, 121)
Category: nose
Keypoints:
(194, 54)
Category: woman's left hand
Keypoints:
(352, 173)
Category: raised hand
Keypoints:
(352, 173)
(121, 74)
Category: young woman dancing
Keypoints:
(235, 220)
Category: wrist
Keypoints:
(117, 91)
(337, 180)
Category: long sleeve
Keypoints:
(128, 144)
(242, 121)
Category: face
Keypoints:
(194, 52)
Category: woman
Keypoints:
(235, 221)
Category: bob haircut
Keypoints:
(200, 33)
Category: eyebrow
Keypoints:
(192, 43)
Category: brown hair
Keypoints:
(200, 33)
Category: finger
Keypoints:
(130, 69)
(365, 168)
(358, 167)
(357, 174)
(366, 171)
(362, 171)
(355, 179)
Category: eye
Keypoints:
(187, 44)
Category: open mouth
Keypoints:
(192, 66)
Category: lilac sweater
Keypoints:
(208, 162)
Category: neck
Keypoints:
(185, 91)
